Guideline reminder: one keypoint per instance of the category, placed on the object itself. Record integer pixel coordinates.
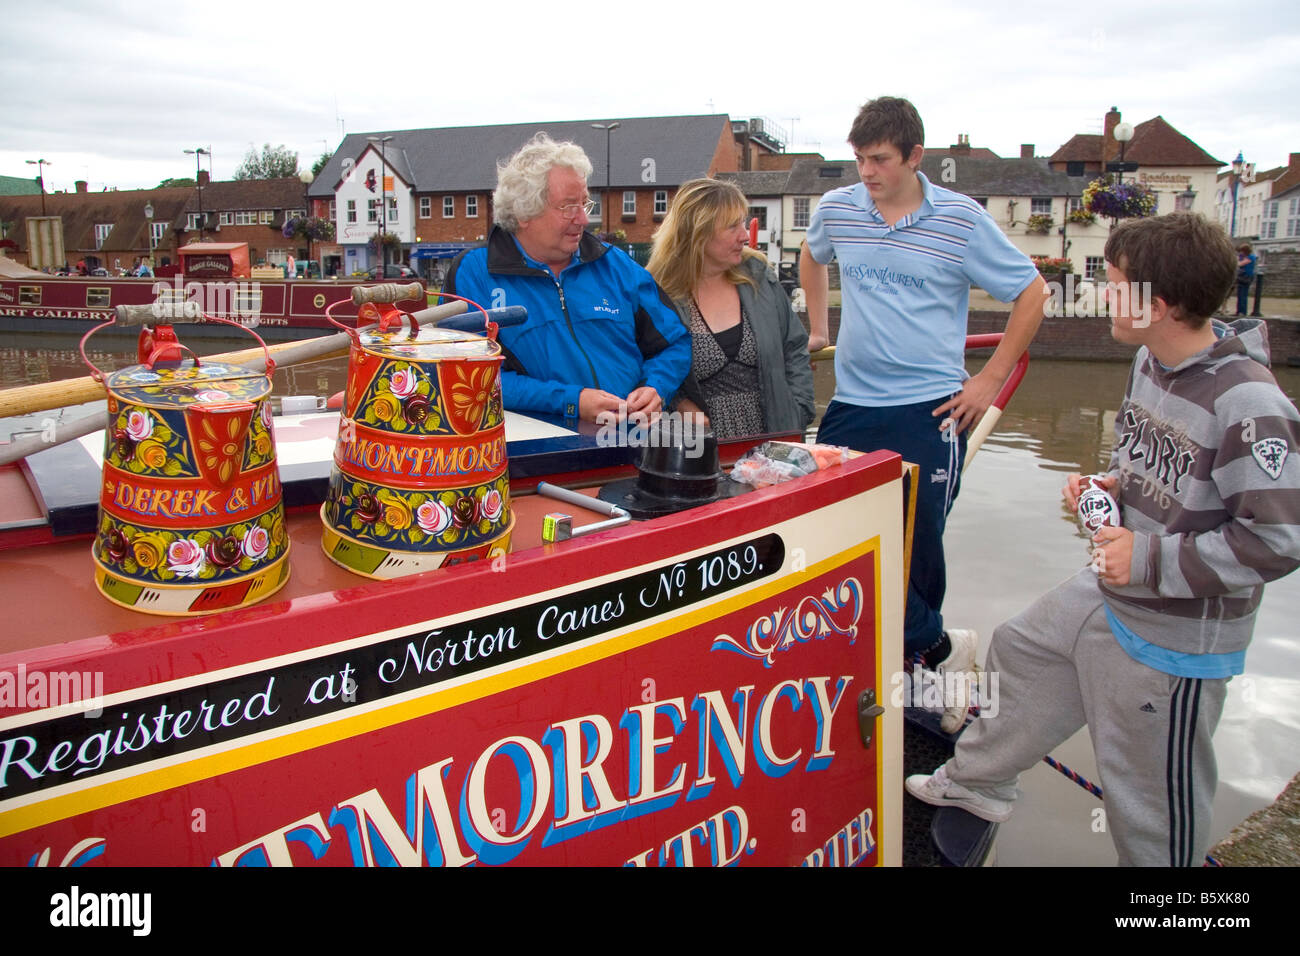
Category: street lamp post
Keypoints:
(40, 165)
(1238, 165)
(305, 177)
(148, 215)
(604, 203)
(200, 151)
(1123, 132)
(383, 142)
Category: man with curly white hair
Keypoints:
(601, 336)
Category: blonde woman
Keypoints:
(750, 372)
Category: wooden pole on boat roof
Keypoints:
(38, 398)
(27, 399)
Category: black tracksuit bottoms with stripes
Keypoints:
(1059, 667)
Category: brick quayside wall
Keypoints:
(1089, 339)
(1281, 272)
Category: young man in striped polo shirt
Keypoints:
(1141, 645)
(908, 253)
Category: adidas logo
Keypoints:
(1147, 708)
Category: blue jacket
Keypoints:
(605, 324)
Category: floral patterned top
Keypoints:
(726, 366)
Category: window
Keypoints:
(295, 214)
(801, 204)
(759, 213)
(597, 212)
(471, 207)
(1074, 167)
(97, 297)
(1270, 211)
(352, 210)
(629, 202)
(1295, 205)
(1076, 203)
(29, 295)
(102, 229)
(334, 210)
(448, 207)
(247, 300)
(246, 218)
(392, 209)
(372, 210)
(1040, 206)
(226, 219)
(277, 257)
(192, 221)
(157, 231)
(426, 207)
(265, 216)
(661, 202)
(982, 200)
(1094, 267)
(1269, 231)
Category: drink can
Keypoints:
(1097, 509)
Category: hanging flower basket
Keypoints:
(1038, 225)
(309, 227)
(390, 240)
(1082, 217)
(1127, 200)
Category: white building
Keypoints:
(1254, 192)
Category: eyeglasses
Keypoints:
(572, 209)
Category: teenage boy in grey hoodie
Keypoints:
(1140, 646)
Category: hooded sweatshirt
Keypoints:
(1210, 488)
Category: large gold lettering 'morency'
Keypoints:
(451, 459)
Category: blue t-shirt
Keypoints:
(906, 290)
(1177, 663)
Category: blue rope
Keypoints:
(1077, 778)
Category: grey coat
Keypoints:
(785, 379)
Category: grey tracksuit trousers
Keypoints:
(1059, 667)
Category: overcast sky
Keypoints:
(114, 92)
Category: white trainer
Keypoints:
(938, 791)
(957, 670)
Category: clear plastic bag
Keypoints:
(775, 462)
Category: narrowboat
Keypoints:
(705, 686)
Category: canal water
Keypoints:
(1009, 540)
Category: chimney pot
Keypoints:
(82, 185)
(1109, 145)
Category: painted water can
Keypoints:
(191, 518)
(420, 473)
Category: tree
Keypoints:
(187, 182)
(275, 162)
(321, 163)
